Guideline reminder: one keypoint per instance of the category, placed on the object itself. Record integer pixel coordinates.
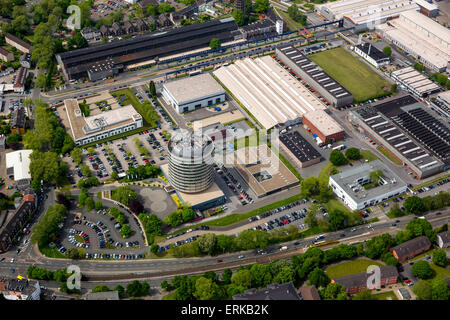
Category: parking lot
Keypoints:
(99, 234)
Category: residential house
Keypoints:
(164, 21)
(18, 121)
(110, 295)
(19, 85)
(20, 289)
(443, 239)
(6, 55)
(104, 30)
(91, 34)
(150, 21)
(117, 30)
(356, 282)
(141, 25)
(411, 248)
(129, 28)
(309, 293)
(145, 3)
(285, 291)
(15, 221)
(18, 43)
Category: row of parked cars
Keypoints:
(236, 188)
(160, 109)
(131, 160)
(98, 166)
(283, 220)
(113, 161)
(300, 213)
(430, 187)
(117, 256)
(76, 243)
(99, 232)
(184, 232)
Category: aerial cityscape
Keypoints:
(227, 150)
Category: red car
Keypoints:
(407, 281)
(219, 260)
(123, 256)
(146, 161)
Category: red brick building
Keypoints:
(356, 282)
(322, 124)
(411, 248)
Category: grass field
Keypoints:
(440, 273)
(386, 296)
(334, 204)
(326, 172)
(388, 155)
(353, 74)
(367, 155)
(350, 267)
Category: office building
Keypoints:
(421, 37)
(441, 104)
(301, 65)
(365, 14)
(18, 168)
(190, 162)
(427, 8)
(371, 54)
(349, 185)
(85, 130)
(191, 93)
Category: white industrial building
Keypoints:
(192, 93)
(85, 130)
(420, 36)
(18, 167)
(371, 54)
(365, 14)
(441, 103)
(415, 82)
(348, 185)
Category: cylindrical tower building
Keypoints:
(190, 161)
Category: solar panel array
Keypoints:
(301, 148)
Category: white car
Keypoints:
(12, 260)
(240, 257)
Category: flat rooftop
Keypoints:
(348, 181)
(421, 35)
(268, 91)
(363, 11)
(223, 118)
(20, 161)
(194, 88)
(263, 170)
(298, 145)
(81, 126)
(314, 71)
(324, 122)
(378, 118)
(416, 80)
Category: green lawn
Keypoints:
(350, 267)
(368, 155)
(353, 74)
(441, 273)
(386, 295)
(51, 253)
(388, 155)
(334, 204)
(150, 115)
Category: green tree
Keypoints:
(85, 170)
(395, 211)
(334, 291)
(389, 259)
(318, 278)
(125, 232)
(120, 290)
(90, 151)
(154, 248)
(251, 239)
(152, 88)
(310, 186)
(287, 274)
(98, 205)
(422, 290)
(226, 276)
(352, 154)
(337, 220)
(100, 289)
(311, 219)
(207, 243)
(72, 253)
(242, 278)
(174, 219)
(124, 194)
(187, 214)
(364, 295)
(165, 7)
(440, 258)
(215, 44)
(205, 289)
(137, 289)
(77, 155)
(238, 16)
(439, 290)
(414, 205)
(90, 204)
(422, 270)
(387, 51)
(337, 158)
(261, 6)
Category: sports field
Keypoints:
(353, 74)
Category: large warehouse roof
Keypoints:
(299, 147)
(415, 80)
(194, 88)
(315, 72)
(268, 91)
(364, 11)
(20, 161)
(421, 35)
